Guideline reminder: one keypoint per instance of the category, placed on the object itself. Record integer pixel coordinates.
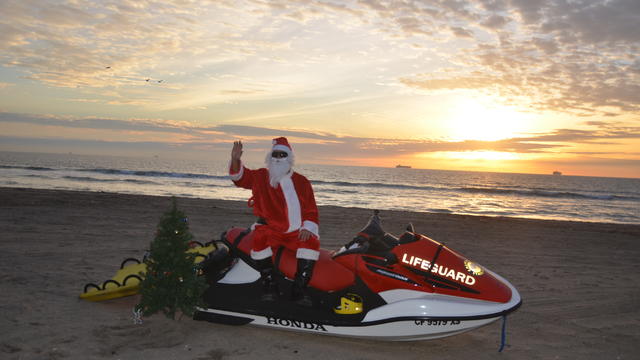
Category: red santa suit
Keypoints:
(287, 209)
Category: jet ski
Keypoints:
(377, 286)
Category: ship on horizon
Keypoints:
(403, 166)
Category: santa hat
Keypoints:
(281, 144)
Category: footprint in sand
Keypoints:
(114, 338)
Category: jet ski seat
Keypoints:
(328, 275)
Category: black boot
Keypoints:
(269, 284)
(303, 275)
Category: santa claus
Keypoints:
(284, 203)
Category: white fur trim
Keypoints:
(261, 254)
(237, 176)
(312, 227)
(254, 225)
(281, 148)
(308, 254)
(293, 204)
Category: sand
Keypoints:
(579, 283)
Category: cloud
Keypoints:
(604, 133)
(160, 126)
(427, 82)
(331, 146)
(243, 130)
(461, 32)
(530, 11)
(495, 21)
(547, 53)
(96, 123)
(72, 44)
(615, 21)
(554, 56)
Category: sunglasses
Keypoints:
(279, 154)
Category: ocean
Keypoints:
(578, 198)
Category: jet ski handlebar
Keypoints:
(372, 239)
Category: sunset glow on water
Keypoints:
(456, 192)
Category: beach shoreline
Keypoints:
(577, 279)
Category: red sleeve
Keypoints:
(243, 178)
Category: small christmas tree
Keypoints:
(171, 282)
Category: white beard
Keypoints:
(278, 168)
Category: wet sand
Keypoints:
(579, 283)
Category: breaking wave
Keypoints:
(151, 173)
(483, 190)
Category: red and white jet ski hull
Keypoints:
(389, 330)
(411, 288)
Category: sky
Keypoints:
(489, 85)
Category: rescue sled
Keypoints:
(127, 279)
(377, 286)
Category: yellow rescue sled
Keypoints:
(127, 280)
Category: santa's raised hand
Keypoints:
(236, 154)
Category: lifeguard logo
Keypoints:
(473, 268)
(437, 269)
(295, 324)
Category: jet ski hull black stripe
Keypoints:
(239, 320)
(391, 274)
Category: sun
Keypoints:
(486, 120)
